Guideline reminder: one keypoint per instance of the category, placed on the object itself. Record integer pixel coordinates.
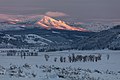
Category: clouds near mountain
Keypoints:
(55, 14)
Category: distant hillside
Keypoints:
(109, 39)
(55, 39)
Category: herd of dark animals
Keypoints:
(70, 58)
(22, 55)
(75, 58)
(85, 58)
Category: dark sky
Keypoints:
(84, 9)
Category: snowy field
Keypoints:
(61, 66)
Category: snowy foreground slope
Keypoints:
(57, 66)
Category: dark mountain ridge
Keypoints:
(55, 39)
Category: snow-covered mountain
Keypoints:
(50, 23)
(37, 21)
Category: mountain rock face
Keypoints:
(50, 23)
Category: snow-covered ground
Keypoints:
(57, 66)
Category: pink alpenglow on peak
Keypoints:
(50, 23)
